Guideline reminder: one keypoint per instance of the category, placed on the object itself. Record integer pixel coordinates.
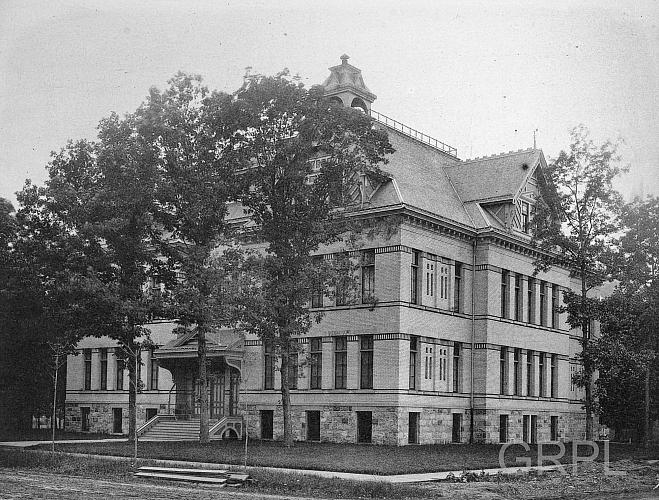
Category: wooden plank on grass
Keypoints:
(174, 470)
(183, 477)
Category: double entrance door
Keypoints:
(222, 394)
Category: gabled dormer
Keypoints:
(504, 186)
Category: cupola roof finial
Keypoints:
(345, 82)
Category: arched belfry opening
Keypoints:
(346, 85)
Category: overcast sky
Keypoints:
(478, 75)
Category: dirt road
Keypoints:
(18, 484)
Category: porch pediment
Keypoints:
(225, 343)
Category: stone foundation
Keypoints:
(390, 425)
(338, 424)
(571, 425)
(101, 417)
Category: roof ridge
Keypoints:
(495, 155)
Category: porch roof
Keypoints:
(219, 343)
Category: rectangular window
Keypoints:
(293, 375)
(153, 372)
(505, 275)
(366, 362)
(269, 364)
(313, 425)
(456, 367)
(554, 428)
(554, 376)
(368, 276)
(414, 278)
(530, 306)
(534, 429)
(267, 424)
(503, 428)
(340, 362)
(457, 288)
(364, 426)
(316, 353)
(526, 226)
(530, 390)
(517, 372)
(518, 297)
(88, 369)
(456, 431)
(525, 428)
(343, 291)
(503, 370)
(413, 428)
(317, 290)
(117, 420)
(543, 303)
(84, 418)
(541, 374)
(554, 306)
(430, 278)
(104, 369)
(119, 383)
(429, 363)
(414, 349)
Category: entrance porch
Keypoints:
(224, 365)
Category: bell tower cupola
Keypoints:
(346, 85)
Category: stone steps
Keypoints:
(174, 430)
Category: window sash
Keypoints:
(456, 368)
(104, 369)
(340, 362)
(366, 362)
(531, 301)
(119, 376)
(414, 278)
(316, 347)
(153, 373)
(503, 371)
(543, 303)
(413, 361)
(504, 293)
(518, 297)
(457, 283)
(554, 306)
(88, 369)
(269, 367)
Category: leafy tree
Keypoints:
(104, 192)
(280, 126)
(573, 224)
(629, 318)
(43, 278)
(185, 127)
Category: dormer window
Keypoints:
(316, 165)
(526, 221)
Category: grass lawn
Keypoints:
(349, 457)
(590, 482)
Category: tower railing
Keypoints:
(415, 134)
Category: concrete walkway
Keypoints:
(398, 478)
(27, 444)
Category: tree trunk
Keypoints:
(588, 371)
(204, 409)
(286, 399)
(53, 419)
(646, 409)
(132, 392)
